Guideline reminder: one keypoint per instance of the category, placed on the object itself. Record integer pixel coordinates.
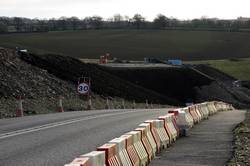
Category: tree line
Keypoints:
(19, 24)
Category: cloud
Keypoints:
(106, 8)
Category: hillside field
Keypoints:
(238, 68)
(135, 44)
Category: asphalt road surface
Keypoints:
(56, 139)
(209, 143)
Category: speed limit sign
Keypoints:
(83, 88)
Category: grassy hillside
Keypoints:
(135, 45)
(238, 68)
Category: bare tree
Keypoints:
(138, 20)
(160, 21)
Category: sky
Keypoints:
(181, 9)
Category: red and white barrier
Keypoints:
(135, 160)
(121, 151)
(150, 137)
(138, 147)
(111, 158)
(155, 134)
(141, 151)
(146, 143)
(169, 127)
(79, 162)
(96, 158)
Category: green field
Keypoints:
(135, 44)
(238, 68)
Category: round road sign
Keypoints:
(83, 88)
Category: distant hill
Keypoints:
(135, 44)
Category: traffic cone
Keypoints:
(60, 105)
(151, 105)
(134, 104)
(146, 104)
(19, 111)
(107, 104)
(89, 107)
(123, 104)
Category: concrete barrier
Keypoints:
(121, 151)
(194, 114)
(139, 147)
(164, 134)
(79, 162)
(150, 137)
(141, 151)
(146, 143)
(134, 158)
(184, 122)
(161, 142)
(96, 158)
(174, 115)
(110, 154)
(169, 126)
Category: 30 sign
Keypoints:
(83, 88)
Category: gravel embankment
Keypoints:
(241, 154)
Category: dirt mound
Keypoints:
(174, 82)
(214, 73)
(19, 78)
(187, 84)
(103, 83)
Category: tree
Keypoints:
(74, 21)
(18, 23)
(138, 20)
(94, 22)
(3, 27)
(160, 21)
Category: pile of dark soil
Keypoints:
(197, 83)
(241, 154)
(19, 78)
(102, 82)
(175, 82)
(222, 88)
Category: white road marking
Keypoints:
(56, 124)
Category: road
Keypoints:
(56, 139)
(209, 143)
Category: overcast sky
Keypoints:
(182, 9)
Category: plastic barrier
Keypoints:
(155, 136)
(158, 131)
(131, 150)
(184, 122)
(174, 115)
(167, 129)
(79, 162)
(149, 137)
(169, 126)
(194, 114)
(160, 125)
(146, 143)
(141, 151)
(210, 107)
(110, 154)
(121, 151)
(200, 115)
(138, 147)
(188, 116)
(96, 158)
(204, 109)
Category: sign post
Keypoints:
(83, 89)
